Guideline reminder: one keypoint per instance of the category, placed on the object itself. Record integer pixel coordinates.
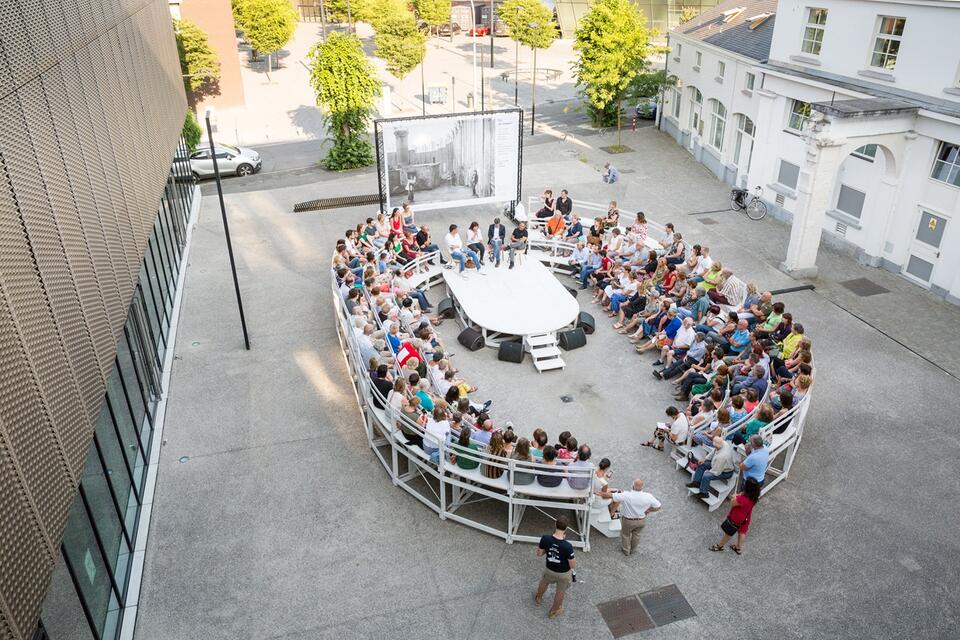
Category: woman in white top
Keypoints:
(601, 480)
(383, 230)
(475, 239)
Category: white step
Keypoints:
(541, 340)
(548, 364)
(601, 521)
(545, 352)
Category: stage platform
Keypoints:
(505, 304)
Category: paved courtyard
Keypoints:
(281, 524)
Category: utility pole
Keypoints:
(492, 20)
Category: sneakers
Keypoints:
(487, 405)
(658, 375)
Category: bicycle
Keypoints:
(755, 208)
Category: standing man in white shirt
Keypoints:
(635, 505)
(457, 250)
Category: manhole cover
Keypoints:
(863, 287)
(643, 611)
(625, 616)
(707, 221)
(566, 399)
(666, 605)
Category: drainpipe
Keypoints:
(666, 74)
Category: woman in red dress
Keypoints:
(738, 520)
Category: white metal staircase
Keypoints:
(544, 351)
(601, 521)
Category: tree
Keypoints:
(399, 42)
(687, 14)
(268, 24)
(613, 42)
(530, 23)
(198, 62)
(433, 12)
(192, 133)
(346, 86)
(238, 6)
(650, 84)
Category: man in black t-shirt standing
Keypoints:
(518, 240)
(560, 566)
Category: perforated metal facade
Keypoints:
(91, 105)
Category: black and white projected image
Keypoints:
(441, 161)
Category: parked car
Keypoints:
(479, 31)
(236, 160)
(448, 29)
(647, 108)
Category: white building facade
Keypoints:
(854, 124)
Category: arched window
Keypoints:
(743, 146)
(696, 110)
(718, 124)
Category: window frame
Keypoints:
(803, 118)
(890, 39)
(717, 119)
(721, 69)
(952, 162)
(749, 81)
(677, 105)
(812, 26)
(696, 111)
(863, 200)
(867, 157)
(780, 171)
(698, 60)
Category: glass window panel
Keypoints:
(133, 383)
(90, 571)
(62, 612)
(163, 272)
(850, 201)
(122, 452)
(788, 174)
(103, 511)
(152, 311)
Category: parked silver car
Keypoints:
(231, 160)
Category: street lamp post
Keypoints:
(323, 20)
(516, 67)
(473, 39)
(423, 89)
(491, 33)
(533, 88)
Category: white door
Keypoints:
(925, 247)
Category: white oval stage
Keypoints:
(524, 301)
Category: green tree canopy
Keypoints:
(268, 24)
(399, 42)
(519, 15)
(688, 13)
(433, 12)
(198, 62)
(237, 6)
(346, 86)
(192, 133)
(612, 41)
(650, 83)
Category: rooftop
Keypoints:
(744, 27)
(861, 107)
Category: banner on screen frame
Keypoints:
(454, 160)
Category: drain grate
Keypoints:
(864, 287)
(643, 611)
(336, 203)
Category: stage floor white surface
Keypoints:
(523, 301)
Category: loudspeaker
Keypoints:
(511, 352)
(573, 339)
(586, 322)
(573, 290)
(471, 339)
(445, 308)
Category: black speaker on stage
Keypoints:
(573, 290)
(511, 352)
(445, 308)
(471, 339)
(573, 339)
(586, 322)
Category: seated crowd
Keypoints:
(736, 357)
(415, 379)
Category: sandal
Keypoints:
(737, 550)
(648, 443)
(618, 326)
(659, 448)
(716, 547)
